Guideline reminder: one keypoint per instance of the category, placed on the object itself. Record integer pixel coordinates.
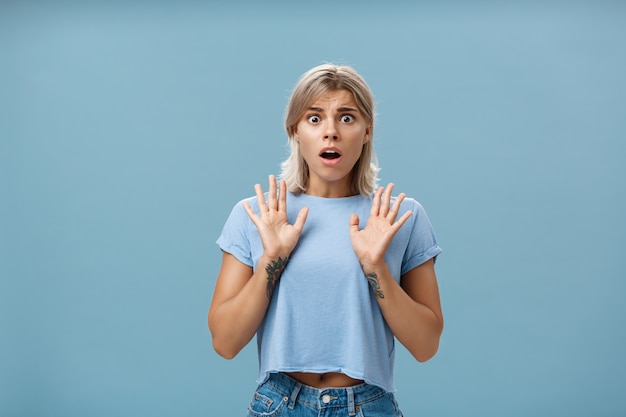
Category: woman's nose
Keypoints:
(331, 131)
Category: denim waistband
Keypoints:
(350, 397)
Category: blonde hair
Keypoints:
(311, 85)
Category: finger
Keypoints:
(386, 200)
(260, 198)
(354, 223)
(272, 203)
(393, 213)
(376, 202)
(301, 219)
(253, 216)
(397, 225)
(282, 196)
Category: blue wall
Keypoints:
(128, 131)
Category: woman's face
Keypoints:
(331, 133)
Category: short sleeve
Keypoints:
(422, 244)
(234, 238)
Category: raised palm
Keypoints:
(371, 243)
(279, 238)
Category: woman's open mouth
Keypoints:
(330, 155)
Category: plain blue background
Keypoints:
(128, 131)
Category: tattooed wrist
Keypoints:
(274, 270)
(372, 279)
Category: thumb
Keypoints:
(299, 224)
(354, 223)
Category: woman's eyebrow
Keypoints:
(339, 110)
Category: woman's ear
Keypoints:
(368, 129)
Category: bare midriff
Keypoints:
(327, 380)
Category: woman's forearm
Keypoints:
(234, 321)
(417, 326)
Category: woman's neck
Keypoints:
(330, 190)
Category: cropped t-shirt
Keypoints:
(323, 316)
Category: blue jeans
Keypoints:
(282, 396)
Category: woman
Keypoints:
(326, 269)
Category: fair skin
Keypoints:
(331, 134)
(331, 124)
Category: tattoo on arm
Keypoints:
(274, 270)
(372, 278)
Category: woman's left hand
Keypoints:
(371, 243)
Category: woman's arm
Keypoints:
(241, 296)
(240, 301)
(412, 308)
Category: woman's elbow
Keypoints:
(221, 345)
(428, 350)
(226, 354)
(225, 350)
(425, 356)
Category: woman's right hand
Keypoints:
(279, 238)
(242, 293)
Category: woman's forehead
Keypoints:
(337, 97)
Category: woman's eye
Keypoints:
(314, 119)
(346, 118)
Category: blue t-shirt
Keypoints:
(323, 316)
